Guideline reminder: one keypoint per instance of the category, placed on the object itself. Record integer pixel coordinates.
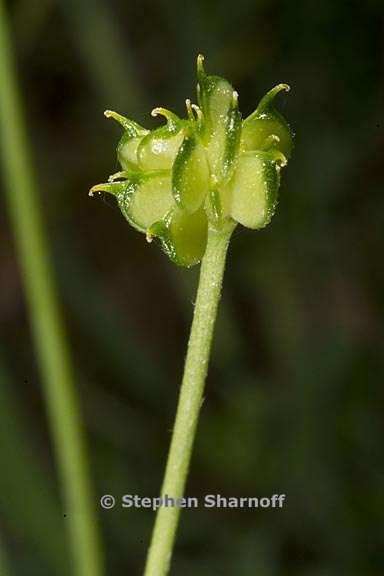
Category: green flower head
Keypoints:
(205, 171)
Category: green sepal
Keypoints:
(173, 121)
(190, 175)
(158, 149)
(265, 122)
(224, 144)
(143, 197)
(214, 95)
(221, 126)
(130, 126)
(254, 188)
(127, 151)
(128, 143)
(183, 236)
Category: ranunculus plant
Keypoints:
(189, 183)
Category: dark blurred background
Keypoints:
(294, 399)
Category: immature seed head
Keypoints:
(202, 171)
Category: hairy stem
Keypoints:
(191, 395)
(46, 321)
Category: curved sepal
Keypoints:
(266, 122)
(130, 126)
(143, 197)
(158, 149)
(127, 151)
(190, 175)
(223, 147)
(183, 236)
(214, 95)
(221, 125)
(254, 188)
(131, 138)
(173, 121)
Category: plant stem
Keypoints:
(190, 399)
(55, 366)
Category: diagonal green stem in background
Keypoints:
(58, 384)
(22, 502)
(101, 43)
(191, 395)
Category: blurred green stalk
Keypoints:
(97, 34)
(58, 384)
(22, 503)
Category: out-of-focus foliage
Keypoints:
(294, 397)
